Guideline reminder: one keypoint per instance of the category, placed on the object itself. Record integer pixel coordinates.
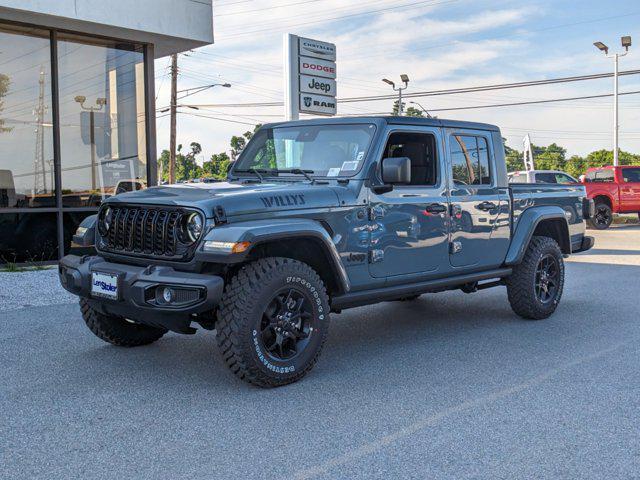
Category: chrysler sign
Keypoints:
(310, 72)
(316, 49)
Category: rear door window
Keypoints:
(470, 160)
(631, 175)
(546, 177)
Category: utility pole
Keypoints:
(626, 43)
(40, 171)
(172, 136)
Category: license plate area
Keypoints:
(105, 285)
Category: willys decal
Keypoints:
(283, 200)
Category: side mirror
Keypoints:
(396, 170)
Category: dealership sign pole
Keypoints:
(309, 77)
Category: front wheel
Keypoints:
(603, 217)
(273, 321)
(118, 330)
(535, 286)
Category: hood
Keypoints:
(236, 198)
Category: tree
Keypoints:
(408, 112)
(218, 166)
(4, 88)
(186, 166)
(514, 159)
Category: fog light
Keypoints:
(167, 295)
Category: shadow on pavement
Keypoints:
(409, 332)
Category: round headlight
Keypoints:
(192, 227)
(104, 221)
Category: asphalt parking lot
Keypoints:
(449, 386)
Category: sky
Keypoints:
(439, 44)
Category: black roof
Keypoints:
(391, 120)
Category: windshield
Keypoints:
(319, 150)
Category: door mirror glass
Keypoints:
(396, 170)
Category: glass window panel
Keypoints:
(102, 120)
(631, 175)
(26, 137)
(546, 177)
(28, 237)
(483, 175)
(326, 150)
(461, 159)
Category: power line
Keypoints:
(451, 91)
(268, 8)
(341, 17)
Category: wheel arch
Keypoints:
(299, 239)
(546, 221)
(603, 197)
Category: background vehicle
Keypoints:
(541, 176)
(319, 216)
(613, 190)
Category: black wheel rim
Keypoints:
(286, 324)
(547, 278)
(602, 217)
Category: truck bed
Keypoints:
(568, 197)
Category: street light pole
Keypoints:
(405, 80)
(100, 102)
(616, 124)
(626, 43)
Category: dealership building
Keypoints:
(77, 109)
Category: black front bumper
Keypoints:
(136, 287)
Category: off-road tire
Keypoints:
(606, 210)
(244, 302)
(521, 283)
(117, 330)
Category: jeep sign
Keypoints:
(310, 72)
(318, 85)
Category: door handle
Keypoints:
(435, 208)
(486, 206)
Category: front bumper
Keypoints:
(137, 285)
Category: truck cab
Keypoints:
(613, 190)
(315, 217)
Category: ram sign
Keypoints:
(310, 72)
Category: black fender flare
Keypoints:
(257, 232)
(527, 224)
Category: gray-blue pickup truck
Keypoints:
(316, 217)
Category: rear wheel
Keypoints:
(273, 321)
(118, 330)
(602, 218)
(535, 286)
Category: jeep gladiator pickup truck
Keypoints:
(613, 190)
(318, 216)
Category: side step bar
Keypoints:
(368, 297)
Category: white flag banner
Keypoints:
(528, 153)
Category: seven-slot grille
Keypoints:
(145, 231)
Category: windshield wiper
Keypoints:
(298, 171)
(256, 171)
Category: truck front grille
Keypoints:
(146, 231)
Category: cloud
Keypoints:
(438, 44)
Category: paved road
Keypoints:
(449, 386)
